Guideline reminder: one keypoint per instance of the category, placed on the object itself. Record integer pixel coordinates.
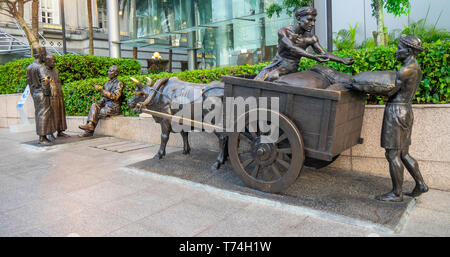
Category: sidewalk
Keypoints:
(78, 190)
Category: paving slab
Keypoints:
(102, 193)
(254, 220)
(34, 144)
(346, 196)
(89, 222)
(11, 225)
(183, 219)
(136, 230)
(31, 233)
(426, 222)
(436, 200)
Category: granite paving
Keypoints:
(75, 189)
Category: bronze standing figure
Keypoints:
(57, 97)
(292, 44)
(109, 105)
(398, 119)
(39, 82)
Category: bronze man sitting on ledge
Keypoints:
(109, 105)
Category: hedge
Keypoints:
(70, 68)
(433, 61)
(79, 95)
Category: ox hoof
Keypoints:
(158, 156)
(215, 166)
(188, 152)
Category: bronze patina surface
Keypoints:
(109, 105)
(39, 81)
(292, 44)
(57, 97)
(166, 98)
(398, 116)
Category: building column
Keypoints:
(192, 37)
(113, 28)
(329, 26)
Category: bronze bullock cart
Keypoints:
(315, 127)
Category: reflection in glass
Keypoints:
(224, 32)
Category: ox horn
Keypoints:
(149, 81)
(140, 86)
(135, 80)
(158, 85)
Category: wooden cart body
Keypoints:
(330, 122)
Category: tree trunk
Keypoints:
(91, 29)
(133, 26)
(262, 24)
(135, 52)
(34, 43)
(35, 18)
(20, 8)
(380, 40)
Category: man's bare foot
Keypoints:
(418, 190)
(390, 197)
(51, 137)
(44, 141)
(62, 134)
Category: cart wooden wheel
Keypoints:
(269, 167)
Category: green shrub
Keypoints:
(426, 32)
(70, 68)
(13, 76)
(433, 61)
(345, 39)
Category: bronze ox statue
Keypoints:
(161, 98)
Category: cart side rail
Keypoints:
(282, 88)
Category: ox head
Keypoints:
(140, 94)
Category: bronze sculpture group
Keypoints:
(293, 42)
(398, 116)
(46, 91)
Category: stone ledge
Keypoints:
(415, 106)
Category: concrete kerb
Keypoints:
(278, 205)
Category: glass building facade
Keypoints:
(216, 32)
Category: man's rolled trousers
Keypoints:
(109, 105)
(39, 82)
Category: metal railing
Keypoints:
(11, 44)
